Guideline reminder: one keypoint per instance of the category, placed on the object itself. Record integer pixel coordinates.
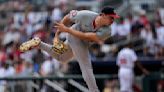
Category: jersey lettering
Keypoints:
(123, 61)
(73, 13)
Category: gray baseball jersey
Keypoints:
(85, 19)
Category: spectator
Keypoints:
(121, 29)
(160, 38)
(56, 14)
(143, 18)
(49, 67)
(2, 75)
(147, 33)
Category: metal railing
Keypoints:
(72, 80)
(31, 83)
(65, 77)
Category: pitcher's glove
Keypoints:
(60, 47)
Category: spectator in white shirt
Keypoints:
(121, 28)
(2, 75)
(56, 14)
(148, 34)
(160, 37)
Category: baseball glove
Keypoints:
(60, 47)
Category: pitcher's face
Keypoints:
(107, 20)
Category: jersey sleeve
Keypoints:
(74, 15)
(133, 56)
(104, 33)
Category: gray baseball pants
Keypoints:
(80, 51)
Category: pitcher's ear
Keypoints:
(102, 14)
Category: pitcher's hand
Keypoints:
(56, 40)
(61, 27)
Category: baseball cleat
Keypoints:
(29, 44)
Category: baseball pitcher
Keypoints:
(86, 26)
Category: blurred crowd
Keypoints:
(146, 35)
